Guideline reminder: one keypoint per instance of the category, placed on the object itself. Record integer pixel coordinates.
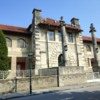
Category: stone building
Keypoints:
(53, 44)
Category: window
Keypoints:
(88, 47)
(51, 35)
(9, 42)
(59, 36)
(70, 37)
(21, 43)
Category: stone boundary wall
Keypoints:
(62, 70)
(72, 79)
(48, 71)
(22, 84)
(71, 70)
(40, 82)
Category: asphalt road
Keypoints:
(90, 93)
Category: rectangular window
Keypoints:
(59, 36)
(70, 37)
(51, 35)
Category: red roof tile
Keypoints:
(86, 38)
(13, 28)
(57, 23)
(48, 21)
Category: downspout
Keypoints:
(47, 51)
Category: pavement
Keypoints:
(49, 90)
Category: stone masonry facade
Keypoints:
(44, 38)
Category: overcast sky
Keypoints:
(19, 12)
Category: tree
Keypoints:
(3, 52)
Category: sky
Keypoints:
(19, 12)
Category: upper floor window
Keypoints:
(9, 42)
(21, 43)
(51, 35)
(59, 36)
(88, 47)
(70, 37)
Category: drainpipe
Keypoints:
(47, 51)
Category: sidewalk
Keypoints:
(50, 90)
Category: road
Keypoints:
(89, 93)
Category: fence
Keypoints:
(4, 74)
(17, 73)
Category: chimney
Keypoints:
(75, 22)
(36, 16)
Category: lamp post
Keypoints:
(30, 54)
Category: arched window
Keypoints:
(9, 42)
(21, 43)
(88, 47)
(60, 60)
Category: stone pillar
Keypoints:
(35, 39)
(64, 41)
(94, 43)
(13, 68)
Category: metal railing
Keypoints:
(4, 74)
(17, 73)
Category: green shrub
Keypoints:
(3, 52)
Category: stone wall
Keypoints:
(71, 70)
(40, 82)
(72, 79)
(22, 84)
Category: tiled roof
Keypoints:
(13, 28)
(48, 21)
(89, 39)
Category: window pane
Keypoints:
(59, 36)
(21, 43)
(9, 42)
(51, 35)
(70, 37)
